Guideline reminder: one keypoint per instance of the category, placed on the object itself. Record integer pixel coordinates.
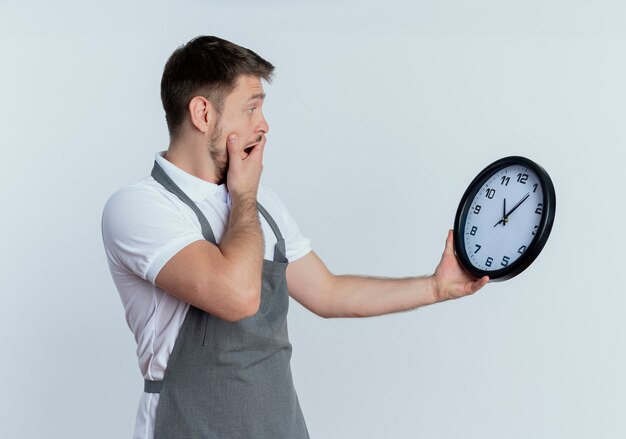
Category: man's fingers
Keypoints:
(449, 243)
(245, 163)
(232, 144)
(477, 285)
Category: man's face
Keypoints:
(241, 115)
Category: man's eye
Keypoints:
(251, 109)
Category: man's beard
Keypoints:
(219, 156)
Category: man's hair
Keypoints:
(205, 66)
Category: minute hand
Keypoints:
(505, 218)
(517, 205)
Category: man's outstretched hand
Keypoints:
(450, 280)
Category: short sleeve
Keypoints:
(142, 229)
(296, 244)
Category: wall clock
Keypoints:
(504, 218)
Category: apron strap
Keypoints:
(152, 386)
(280, 253)
(160, 176)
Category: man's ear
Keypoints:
(202, 114)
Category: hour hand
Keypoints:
(504, 219)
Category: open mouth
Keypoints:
(249, 148)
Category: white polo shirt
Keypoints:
(143, 226)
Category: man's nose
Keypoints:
(263, 126)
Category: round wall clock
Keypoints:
(504, 218)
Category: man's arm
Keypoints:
(225, 281)
(311, 284)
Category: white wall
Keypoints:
(380, 116)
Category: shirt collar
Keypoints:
(196, 188)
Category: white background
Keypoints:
(380, 114)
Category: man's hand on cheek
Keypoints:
(245, 164)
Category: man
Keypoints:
(205, 259)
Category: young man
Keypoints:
(205, 259)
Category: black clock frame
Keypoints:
(543, 232)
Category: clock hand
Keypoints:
(517, 205)
(504, 219)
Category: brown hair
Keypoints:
(205, 66)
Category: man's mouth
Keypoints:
(249, 148)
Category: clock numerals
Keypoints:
(489, 193)
(506, 202)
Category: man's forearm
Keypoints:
(242, 243)
(364, 296)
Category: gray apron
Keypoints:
(231, 379)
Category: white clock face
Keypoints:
(503, 218)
